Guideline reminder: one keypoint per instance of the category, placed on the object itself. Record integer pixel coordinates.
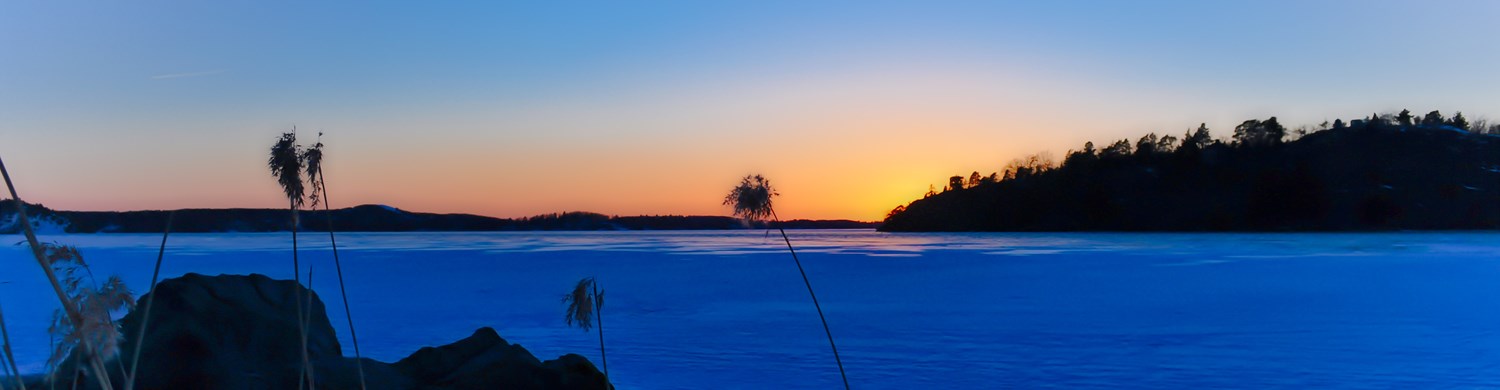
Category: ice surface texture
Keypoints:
(1396, 310)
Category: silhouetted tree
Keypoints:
(1015, 169)
(1040, 162)
(1086, 155)
(1480, 125)
(1255, 133)
(955, 183)
(1275, 132)
(1198, 139)
(1301, 131)
(1458, 121)
(1433, 118)
(1146, 146)
(974, 179)
(1118, 149)
(1378, 121)
(1404, 118)
(1338, 124)
(1028, 166)
(898, 210)
(1167, 144)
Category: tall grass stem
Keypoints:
(359, 363)
(140, 337)
(814, 296)
(10, 357)
(41, 259)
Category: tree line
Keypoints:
(1095, 186)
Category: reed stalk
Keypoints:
(140, 337)
(41, 259)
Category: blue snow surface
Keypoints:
(727, 309)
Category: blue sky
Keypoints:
(509, 109)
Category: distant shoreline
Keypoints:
(372, 218)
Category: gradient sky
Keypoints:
(513, 109)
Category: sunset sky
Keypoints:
(514, 109)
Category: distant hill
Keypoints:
(1386, 172)
(365, 218)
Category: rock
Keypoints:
(227, 332)
(430, 364)
(486, 361)
(240, 332)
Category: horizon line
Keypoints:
(30, 203)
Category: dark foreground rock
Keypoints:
(486, 361)
(240, 332)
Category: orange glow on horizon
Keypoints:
(837, 146)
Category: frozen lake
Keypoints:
(726, 309)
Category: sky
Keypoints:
(512, 109)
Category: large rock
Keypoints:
(228, 332)
(240, 332)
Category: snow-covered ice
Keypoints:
(727, 309)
